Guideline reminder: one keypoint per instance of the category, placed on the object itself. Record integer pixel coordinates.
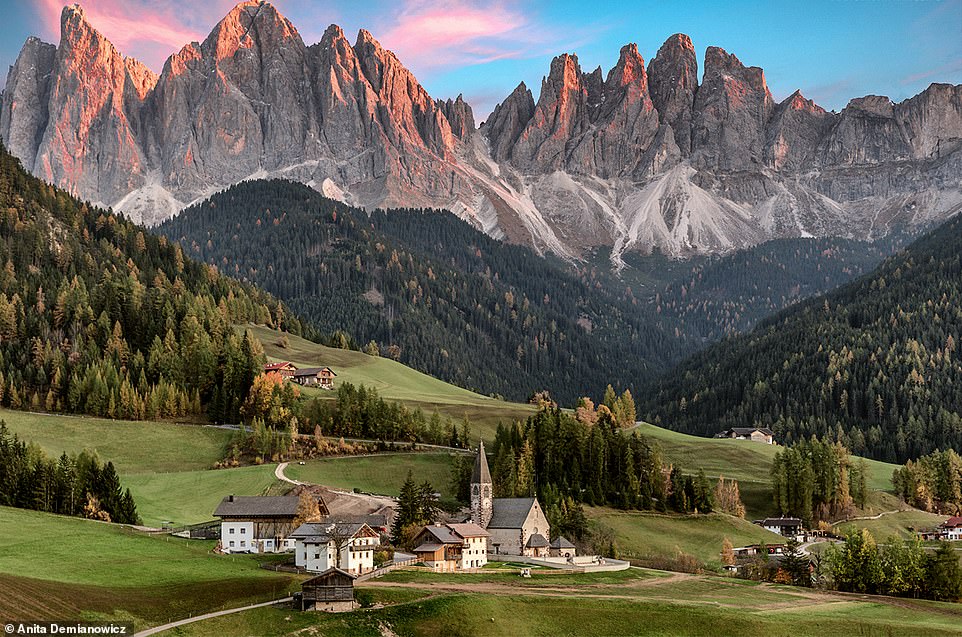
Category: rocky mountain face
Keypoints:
(638, 158)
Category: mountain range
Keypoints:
(642, 158)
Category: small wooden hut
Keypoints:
(331, 591)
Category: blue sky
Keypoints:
(831, 50)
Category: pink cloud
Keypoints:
(436, 34)
(149, 31)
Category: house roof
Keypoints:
(257, 506)
(536, 541)
(510, 513)
(372, 520)
(561, 542)
(481, 474)
(443, 534)
(321, 532)
(313, 371)
(272, 366)
(952, 522)
(468, 529)
(428, 547)
(747, 431)
(781, 522)
(327, 575)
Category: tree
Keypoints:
(308, 509)
(728, 498)
(727, 552)
(795, 564)
(943, 575)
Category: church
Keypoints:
(516, 526)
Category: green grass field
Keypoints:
(895, 524)
(641, 535)
(188, 497)
(393, 381)
(382, 474)
(61, 567)
(665, 606)
(133, 447)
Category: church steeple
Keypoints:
(481, 490)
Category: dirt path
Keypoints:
(220, 613)
(340, 502)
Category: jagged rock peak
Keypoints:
(508, 120)
(459, 116)
(672, 83)
(234, 31)
(629, 69)
(717, 60)
(796, 101)
(331, 34)
(565, 72)
(878, 105)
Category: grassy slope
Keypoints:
(70, 563)
(895, 524)
(645, 535)
(687, 606)
(165, 465)
(378, 474)
(393, 381)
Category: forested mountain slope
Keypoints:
(874, 363)
(431, 291)
(101, 317)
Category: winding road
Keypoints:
(220, 613)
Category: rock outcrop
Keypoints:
(638, 158)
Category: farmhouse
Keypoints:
(348, 546)
(256, 524)
(452, 547)
(517, 526)
(331, 591)
(789, 527)
(951, 529)
(322, 377)
(755, 434)
(285, 369)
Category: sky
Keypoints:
(833, 50)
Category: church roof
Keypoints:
(481, 475)
(510, 513)
(536, 541)
(561, 542)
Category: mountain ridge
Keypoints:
(643, 158)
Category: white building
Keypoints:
(256, 524)
(348, 546)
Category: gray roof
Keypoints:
(257, 506)
(747, 431)
(320, 532)
(510, 513)
(312, 371)
(536, 541)
(444, 534)
(781, 522)
(561, 542)
(481, 475)
(468, 529)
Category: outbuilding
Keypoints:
(331, 591)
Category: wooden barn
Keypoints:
(331, 591)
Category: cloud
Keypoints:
(146, 30)
(941, 72)
(430, 35)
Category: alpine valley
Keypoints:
(637, 159)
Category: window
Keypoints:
(231, 530)
(305, 555)
(243, 530)
(243, 543)
(232, 542)
(317, 556)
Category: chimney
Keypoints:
(230, 498)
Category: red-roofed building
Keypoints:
(952, 528)
(285, 369)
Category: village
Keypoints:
(340, 549)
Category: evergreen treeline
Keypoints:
(874, 365)
(932, 483)
(900, 567)
(71, 485)
(360, 412)
(816, 480)
(429, 290)
(554, 454)
(99, 316)
(728, 294)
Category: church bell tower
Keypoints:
(481, 490)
